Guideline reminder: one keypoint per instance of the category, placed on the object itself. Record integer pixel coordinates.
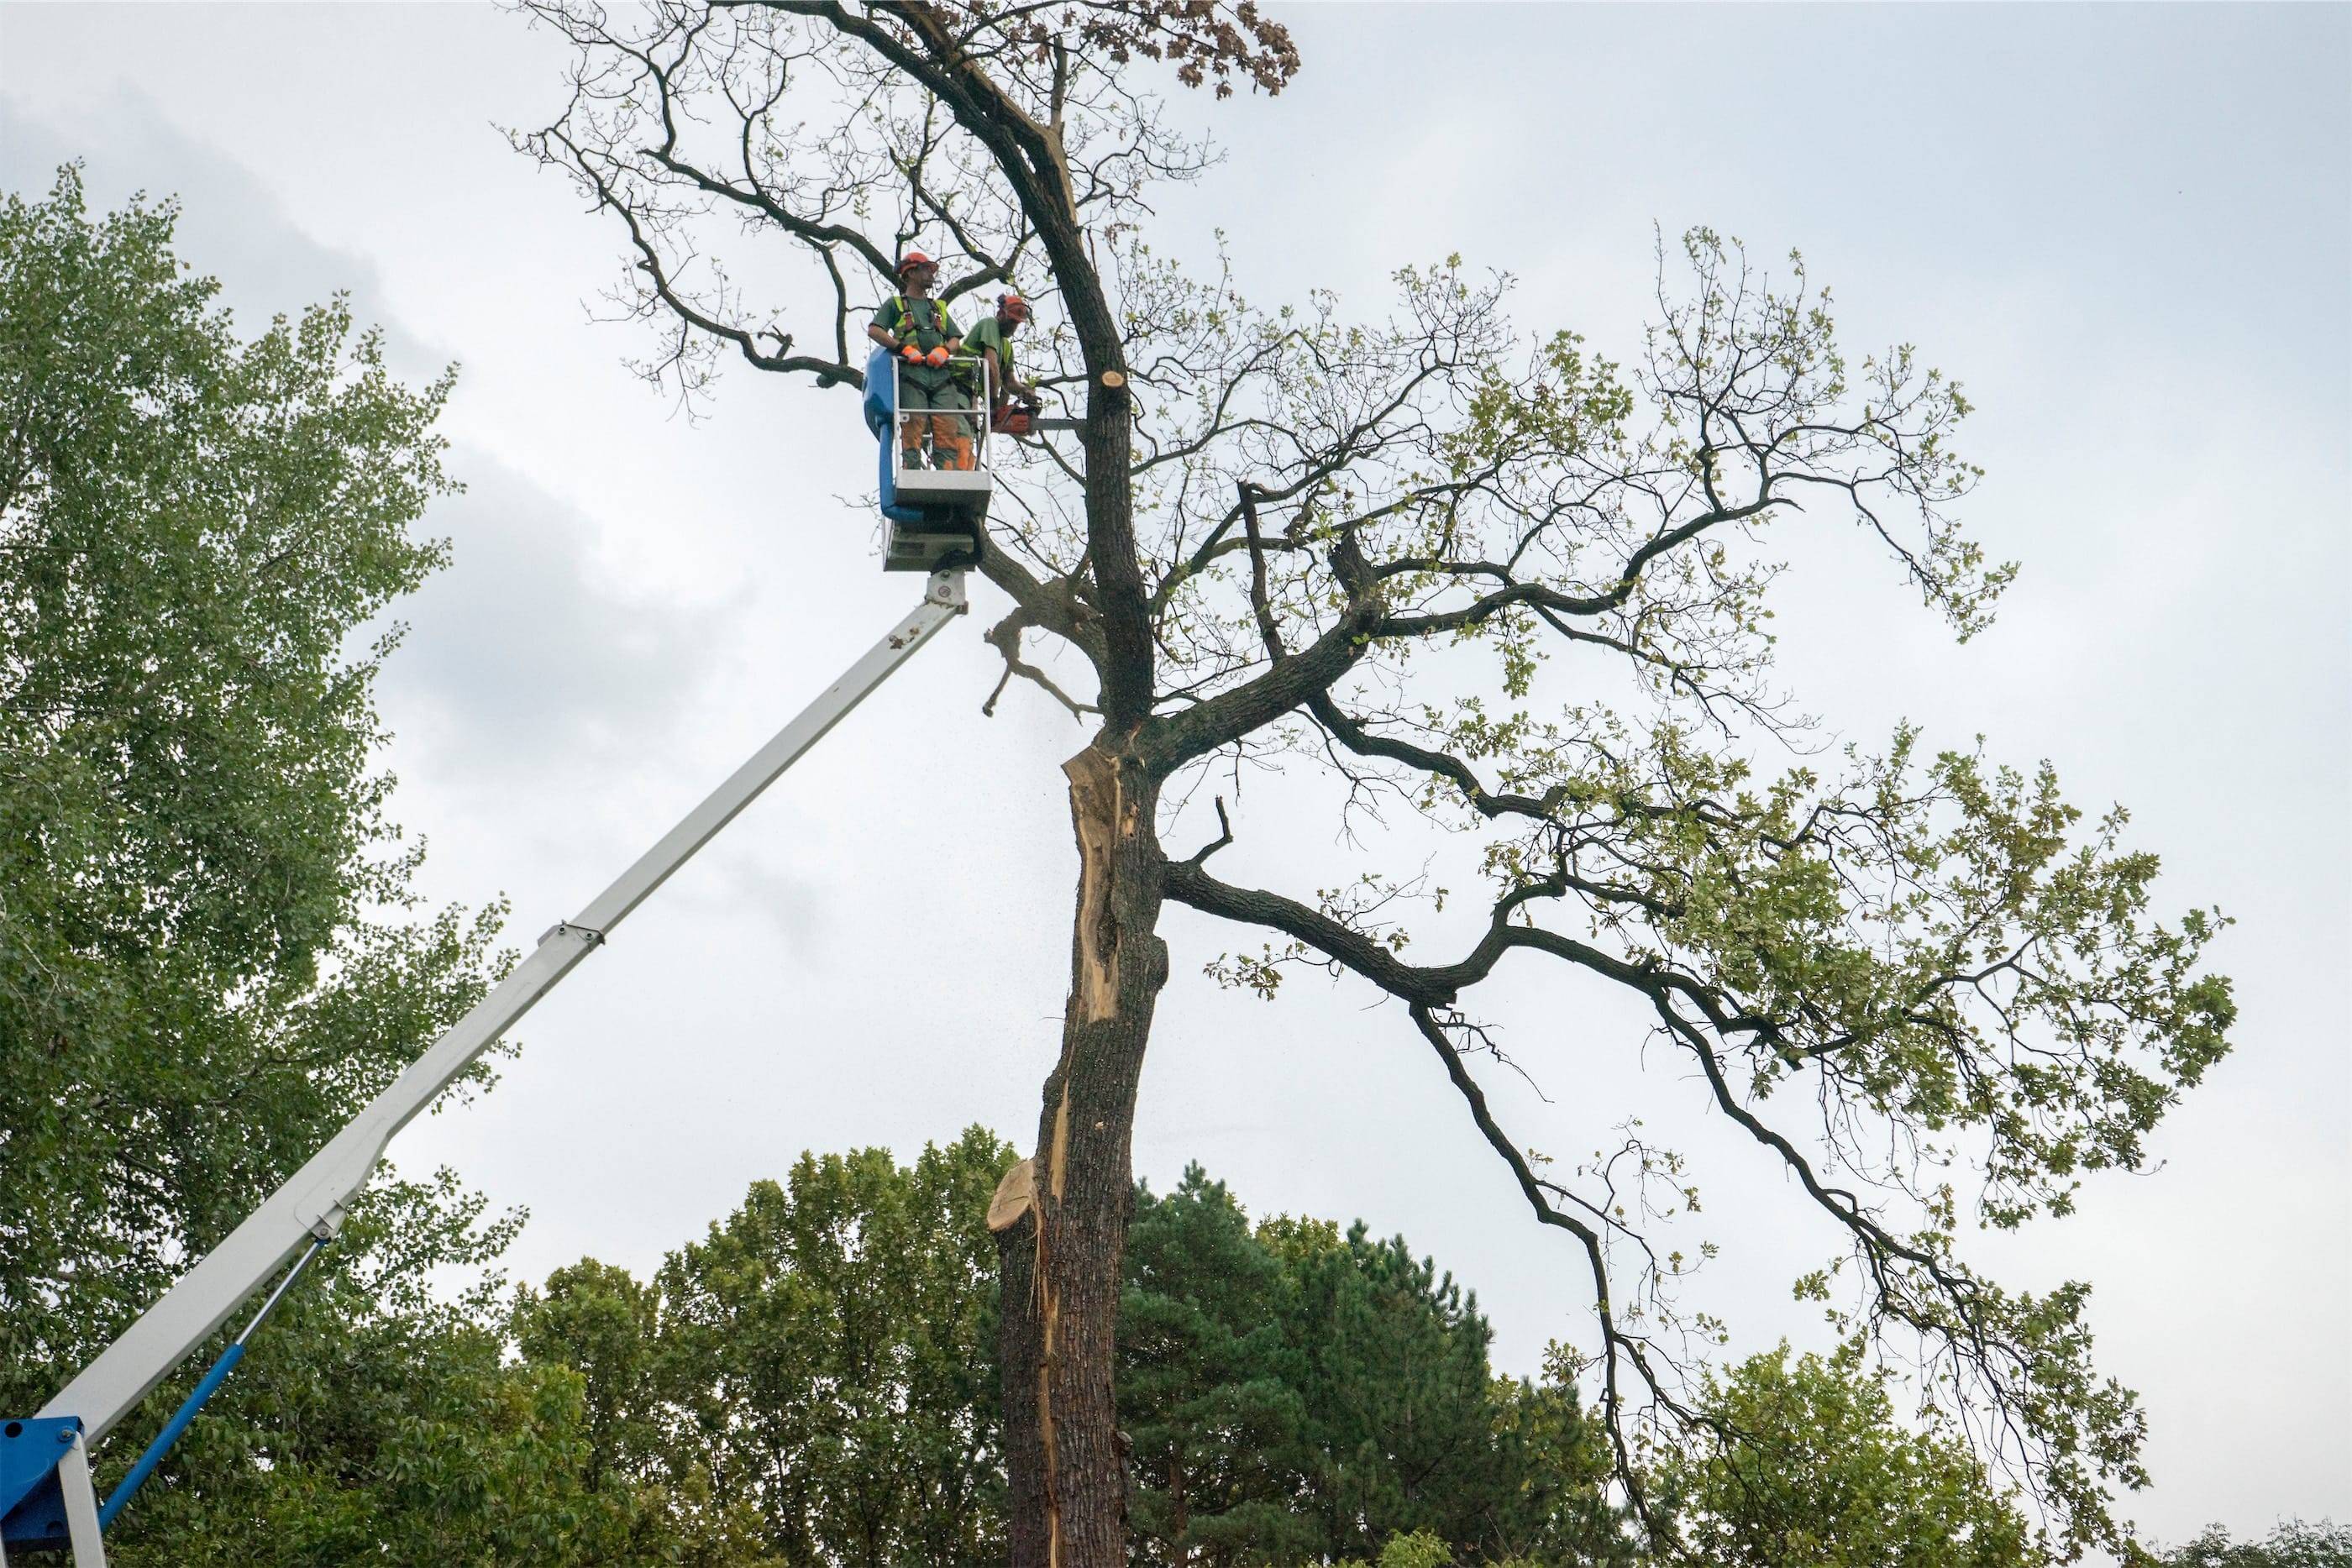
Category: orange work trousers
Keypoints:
(950, 438)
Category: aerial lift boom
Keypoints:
(46, 1499)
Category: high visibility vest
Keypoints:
(927, 326)
(923, 323)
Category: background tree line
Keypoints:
(822, 1362)
(210, 957)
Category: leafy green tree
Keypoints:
(809, 1384)
(1292, 1394)
(1815, 1472)
(1414, 1549)
(378, 1421)
(806, 1385)
(2292, 1546)
(209, 954)
(600, 1326)
(824, 1357)
(194, 990)
(600, 1321)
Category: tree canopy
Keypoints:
(788, 1390)
(1429, 562)
(2294, 1545)
(812, 1382)
(210, 956)
(1294, 1393)
(1819, 1474)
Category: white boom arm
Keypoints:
(313, 1202)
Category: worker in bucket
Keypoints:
(933, 405)
(993, 341)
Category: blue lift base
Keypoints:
(32, 1506)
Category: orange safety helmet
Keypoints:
(1014, 306)
(915, 259)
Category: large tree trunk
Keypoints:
(1061, 1255)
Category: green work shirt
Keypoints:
(930, 327)
(991, 334)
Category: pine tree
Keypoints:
(1208, 1383)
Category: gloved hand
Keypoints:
(911, 352)
(938, 356)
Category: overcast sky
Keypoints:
(2128, 231)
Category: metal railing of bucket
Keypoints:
(937, 452)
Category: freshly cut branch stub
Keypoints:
(1015, 1193)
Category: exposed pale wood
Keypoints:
(1015, 1194)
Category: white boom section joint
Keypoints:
(314, 1201)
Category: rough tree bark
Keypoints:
(1062, 1256)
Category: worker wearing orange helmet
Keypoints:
(993, 341)
(933, 403)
